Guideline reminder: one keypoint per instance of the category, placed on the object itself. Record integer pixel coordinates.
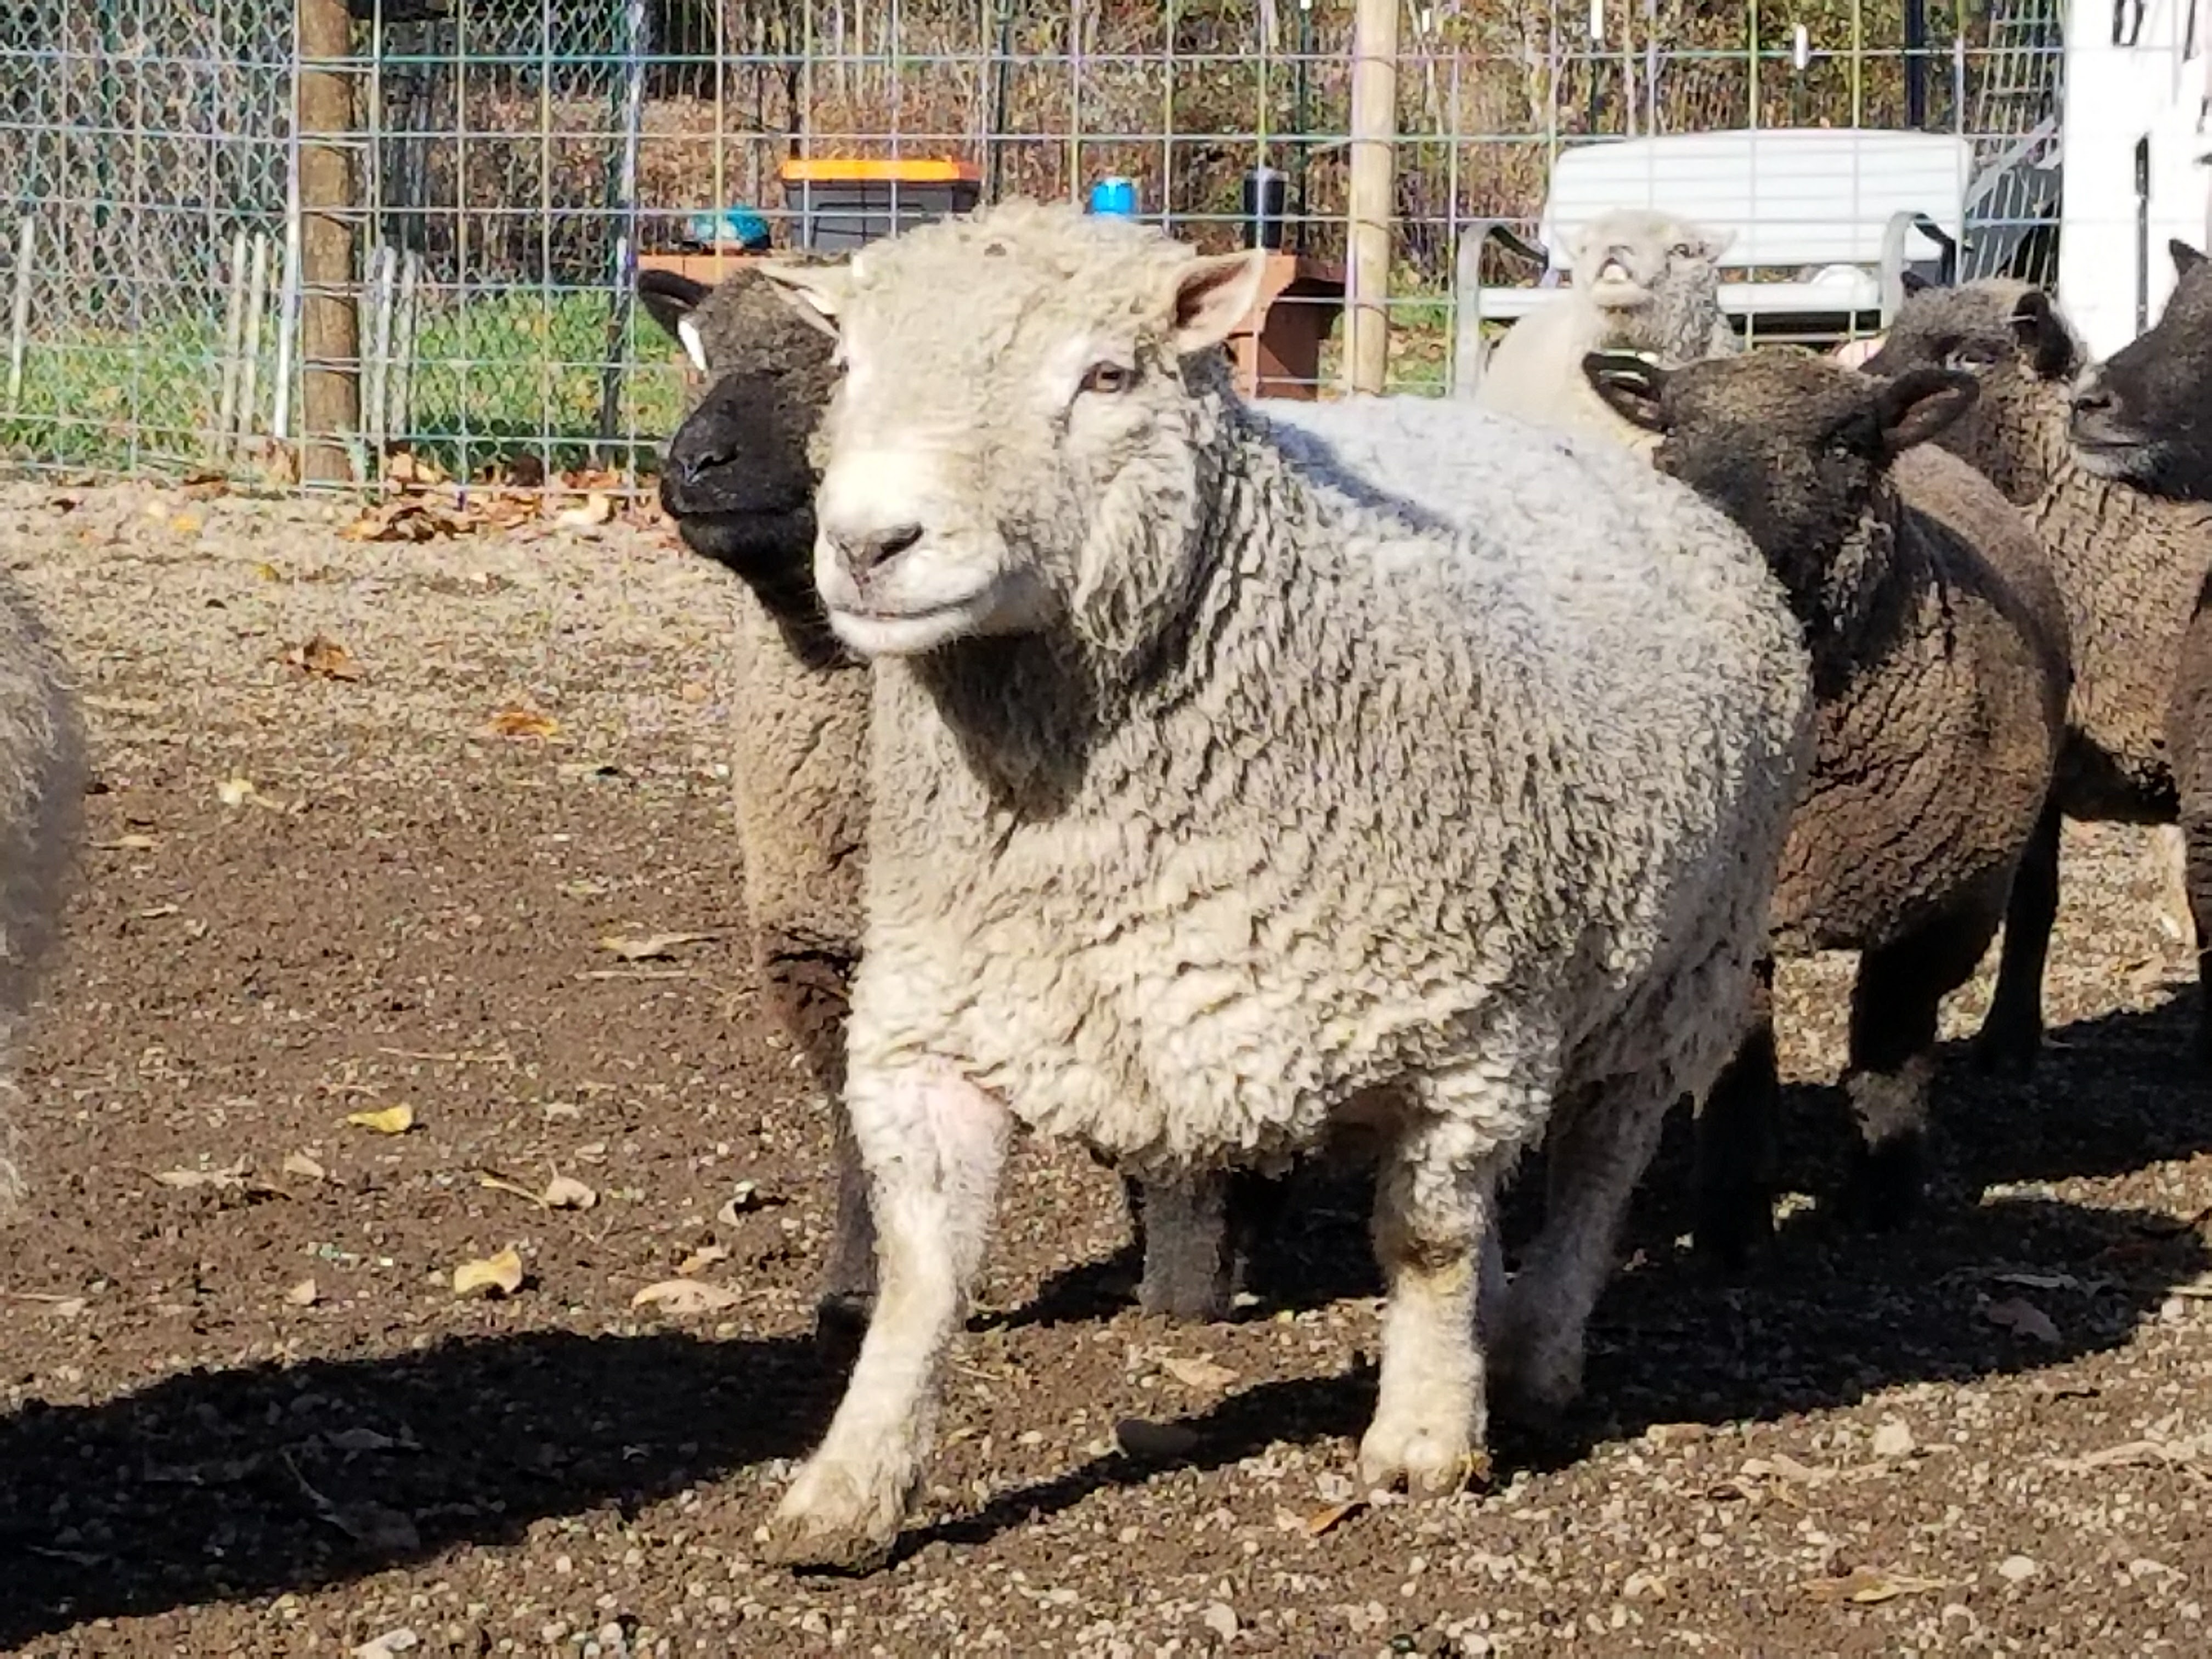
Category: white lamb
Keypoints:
(1217, 803)
(1643, 282)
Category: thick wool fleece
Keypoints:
(1260, 804)
(43, 775)
(1535, 371)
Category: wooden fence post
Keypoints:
(330, 314)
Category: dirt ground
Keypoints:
(245, 1412)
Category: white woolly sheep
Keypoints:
(2129, 565)
(1643, 282)
(1939, 650)
(738, 481)
(1217, 801)
(43, 776)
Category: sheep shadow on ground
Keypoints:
(1823, 1321)
(2110, 1095)
(232, 1484)
(228, 1485)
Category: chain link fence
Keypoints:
(507, 161)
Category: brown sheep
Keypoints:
(2129, 563)
(2140, 417)
(1940, 671)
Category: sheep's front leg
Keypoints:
(934, 1144)
(1435, 1209)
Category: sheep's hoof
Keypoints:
(2007, 1054)
(1732, 1227)
(828, 1523)
(1885, 1180)
(841, 1320)
(1431, 1465)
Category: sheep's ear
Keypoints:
(670, 299)
(1920, 402)
(2042, 335)
(1212, 294)
(2185, 257)
(1631, 387)
(816, 293)
(1914, 282)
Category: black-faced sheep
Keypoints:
(1938, 646)
(2129, 565)
(2144, 417)
(1643, 282)
(1216, 801)
(738, 480)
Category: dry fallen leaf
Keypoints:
(234, 792)
(596, 509)
(303, 1294)
(2017, 1313)
(231, 1175)
(567, 1192)
(1322, 1519)
(501, 1273)
(746, 1197)
(300, 1163)
(130, 843)
(408, 468)
(514, 720)
(500, 1183)
(1865, 1585)
(651, 946)
(403, 521)
(1200, 1373)
(386, 1121)
(686, 1296)
(702, 1259)
(324, 655)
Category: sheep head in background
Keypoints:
(2145, 413)
(1655, 279)
(2008, 335)
(947, 435)
(737, 478)
(1794, 449)
(1643, 282)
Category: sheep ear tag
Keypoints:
(1212, 296)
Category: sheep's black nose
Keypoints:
(698, 463)
(866, 550)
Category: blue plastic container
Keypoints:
(732, 225)
(1116, 196)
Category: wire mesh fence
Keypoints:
(507, 162)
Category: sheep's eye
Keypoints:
(1681, 250)
(1108, 378)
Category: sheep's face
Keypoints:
(1627, 259)
(1790, 444)
(736, 478)
(2010, 337)
(2145, 414)
(1011, 445)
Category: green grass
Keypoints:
(494, 378)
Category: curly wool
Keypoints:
(2128, 565)
(1338, 794)
(44, 773)
(1534, 372)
